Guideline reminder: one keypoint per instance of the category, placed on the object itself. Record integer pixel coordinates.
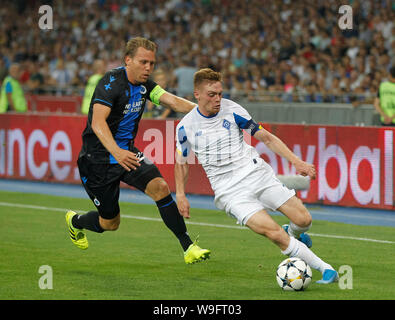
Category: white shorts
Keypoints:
(257, 190)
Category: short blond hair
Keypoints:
(133, 44)
(206, 75)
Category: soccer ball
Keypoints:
(293, 274)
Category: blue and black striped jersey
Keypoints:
(127, 103)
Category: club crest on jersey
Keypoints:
(143, 90)
(226, 124)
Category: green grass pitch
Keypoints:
(143, 260)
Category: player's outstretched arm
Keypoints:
(279, 147)
(181, 170)
(176, 103)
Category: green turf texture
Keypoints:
(143, 260)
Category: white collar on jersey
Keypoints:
(208, 117)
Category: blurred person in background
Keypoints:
(36, 80)
(385, 100)
(12, 97)
(309, 36)
(99, 69)
(61, 77)
(184, 74)
(3, 70)
(159, 111)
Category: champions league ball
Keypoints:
(293, 274)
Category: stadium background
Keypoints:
(288, 63)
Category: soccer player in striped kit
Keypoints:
(109, 156)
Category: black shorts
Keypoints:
(102, 182)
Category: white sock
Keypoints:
(296, 231)
(299, 250)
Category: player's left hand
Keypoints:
(305, 169)
(183, 206)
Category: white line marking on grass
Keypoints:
(34, 207)
(350, 238)
(345, 215)
(189, 222)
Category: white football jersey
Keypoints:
(218, 140)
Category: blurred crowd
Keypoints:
(282, 50)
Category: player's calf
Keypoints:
(263, 224)
(278, 236)
(302, 217)
(89, 221)
(299, 250)
(298, 227)
(110, 224)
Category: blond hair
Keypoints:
(133, 44)
(206, 75)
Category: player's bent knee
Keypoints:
(157, 189)
(163, 188)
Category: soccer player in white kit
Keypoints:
(245, 186)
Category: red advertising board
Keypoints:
(355, 165)
(40, 147)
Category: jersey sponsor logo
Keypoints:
(143, 90)
(134, 107)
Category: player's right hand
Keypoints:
(305, 169)
(127, 159)
(183, 205)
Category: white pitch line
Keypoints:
(349, 238)
(189, 222)
(34, 207)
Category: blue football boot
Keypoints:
(329, 276)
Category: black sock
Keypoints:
(89, 221)
(173, 220)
